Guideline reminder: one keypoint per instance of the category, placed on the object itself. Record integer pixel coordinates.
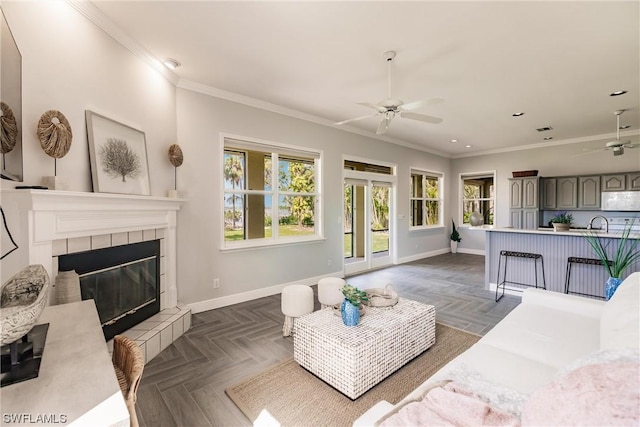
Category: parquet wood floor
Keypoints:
(184, 385)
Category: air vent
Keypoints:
(544, 129)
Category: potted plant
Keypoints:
(561, 221)
(350, 308)
(627, 252)
(455, 238)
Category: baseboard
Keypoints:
(416, 257)
(211, 304)
(507, 290)
(471, 251)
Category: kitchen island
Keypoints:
(555, 248)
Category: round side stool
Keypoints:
(329, 292)
(297, 300)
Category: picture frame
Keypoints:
(118, 155)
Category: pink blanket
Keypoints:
(450, 405)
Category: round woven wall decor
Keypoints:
(175, 155)
(8, 129)
(54, 133)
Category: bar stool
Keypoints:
(329, 292)
(527, 255)
(296, 301)
(577, 260)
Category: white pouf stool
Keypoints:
(329, 292)
(297, 300)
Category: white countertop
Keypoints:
(550, 232)
(76, 377)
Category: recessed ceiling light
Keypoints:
(625, 127)
(171, 63)
(548, 138)
(453, 141)
(618, 93)
(517, 114)
(468, 146)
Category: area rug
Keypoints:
(295, 397)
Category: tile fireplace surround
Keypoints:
(48, 223)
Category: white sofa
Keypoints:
(537, 342)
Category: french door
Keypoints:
(368, 224)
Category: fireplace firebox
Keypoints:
(124, 282)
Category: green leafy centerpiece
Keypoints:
(350, 308)
(627, 252)
(562, 221)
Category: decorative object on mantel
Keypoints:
(54, 133)
(455, 238)
(8, 129)
(118, 156)
(524, 174)
(627, 252)
(350, 308)
(561, 221)
(175, 158)
(5, 230)
(67, 287)
(22, 299)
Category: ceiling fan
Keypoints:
(391, 107)
(618, 146)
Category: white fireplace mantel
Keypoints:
(37, 218)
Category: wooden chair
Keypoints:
(128, 362)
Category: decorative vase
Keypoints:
(476, 219)
(560, 226)
(350, 313)
(610, 287)
(454, 246)
(67, 287)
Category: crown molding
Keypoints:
(267, 106)
(93, 14)
(591, 138)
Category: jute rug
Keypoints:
(295, 397)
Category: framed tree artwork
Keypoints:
(118, 157)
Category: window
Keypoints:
(270, 193)
(478, 195)
(426, 198)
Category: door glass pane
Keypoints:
(348, 221)
(380, 218)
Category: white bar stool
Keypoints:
(329, 292)
(296, 301)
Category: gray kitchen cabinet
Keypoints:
(617, 182)
(589, 192)
(548, 193)
(524, 202)
(515, 218)
(524, 218)
(633, 181)
(567, 192)
(515, 193)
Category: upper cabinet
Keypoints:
(633, 181)
(617, 182)
(549, 195)
(589, 192)
(523, 193)
(567, 192)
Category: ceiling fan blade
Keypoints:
(383, 126)
(354, 119)
(421, 117)
(376, 107)
(417, 104)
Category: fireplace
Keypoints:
(124, 282)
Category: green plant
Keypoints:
(354, 295)
(562, 218)
(455, 236)
(626, 253)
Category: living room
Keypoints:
(75, 59)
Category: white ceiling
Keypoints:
(556, 61)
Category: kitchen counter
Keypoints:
(555, 248)
(573, 232)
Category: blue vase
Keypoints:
(610, 287)
(350, 313)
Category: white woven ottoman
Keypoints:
(329, 292)
(354, 359)
(296, 301)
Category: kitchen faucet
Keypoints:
(590, 226)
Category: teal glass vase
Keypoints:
(350, 313)
(610, 287)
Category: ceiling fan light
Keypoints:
(618, 151)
